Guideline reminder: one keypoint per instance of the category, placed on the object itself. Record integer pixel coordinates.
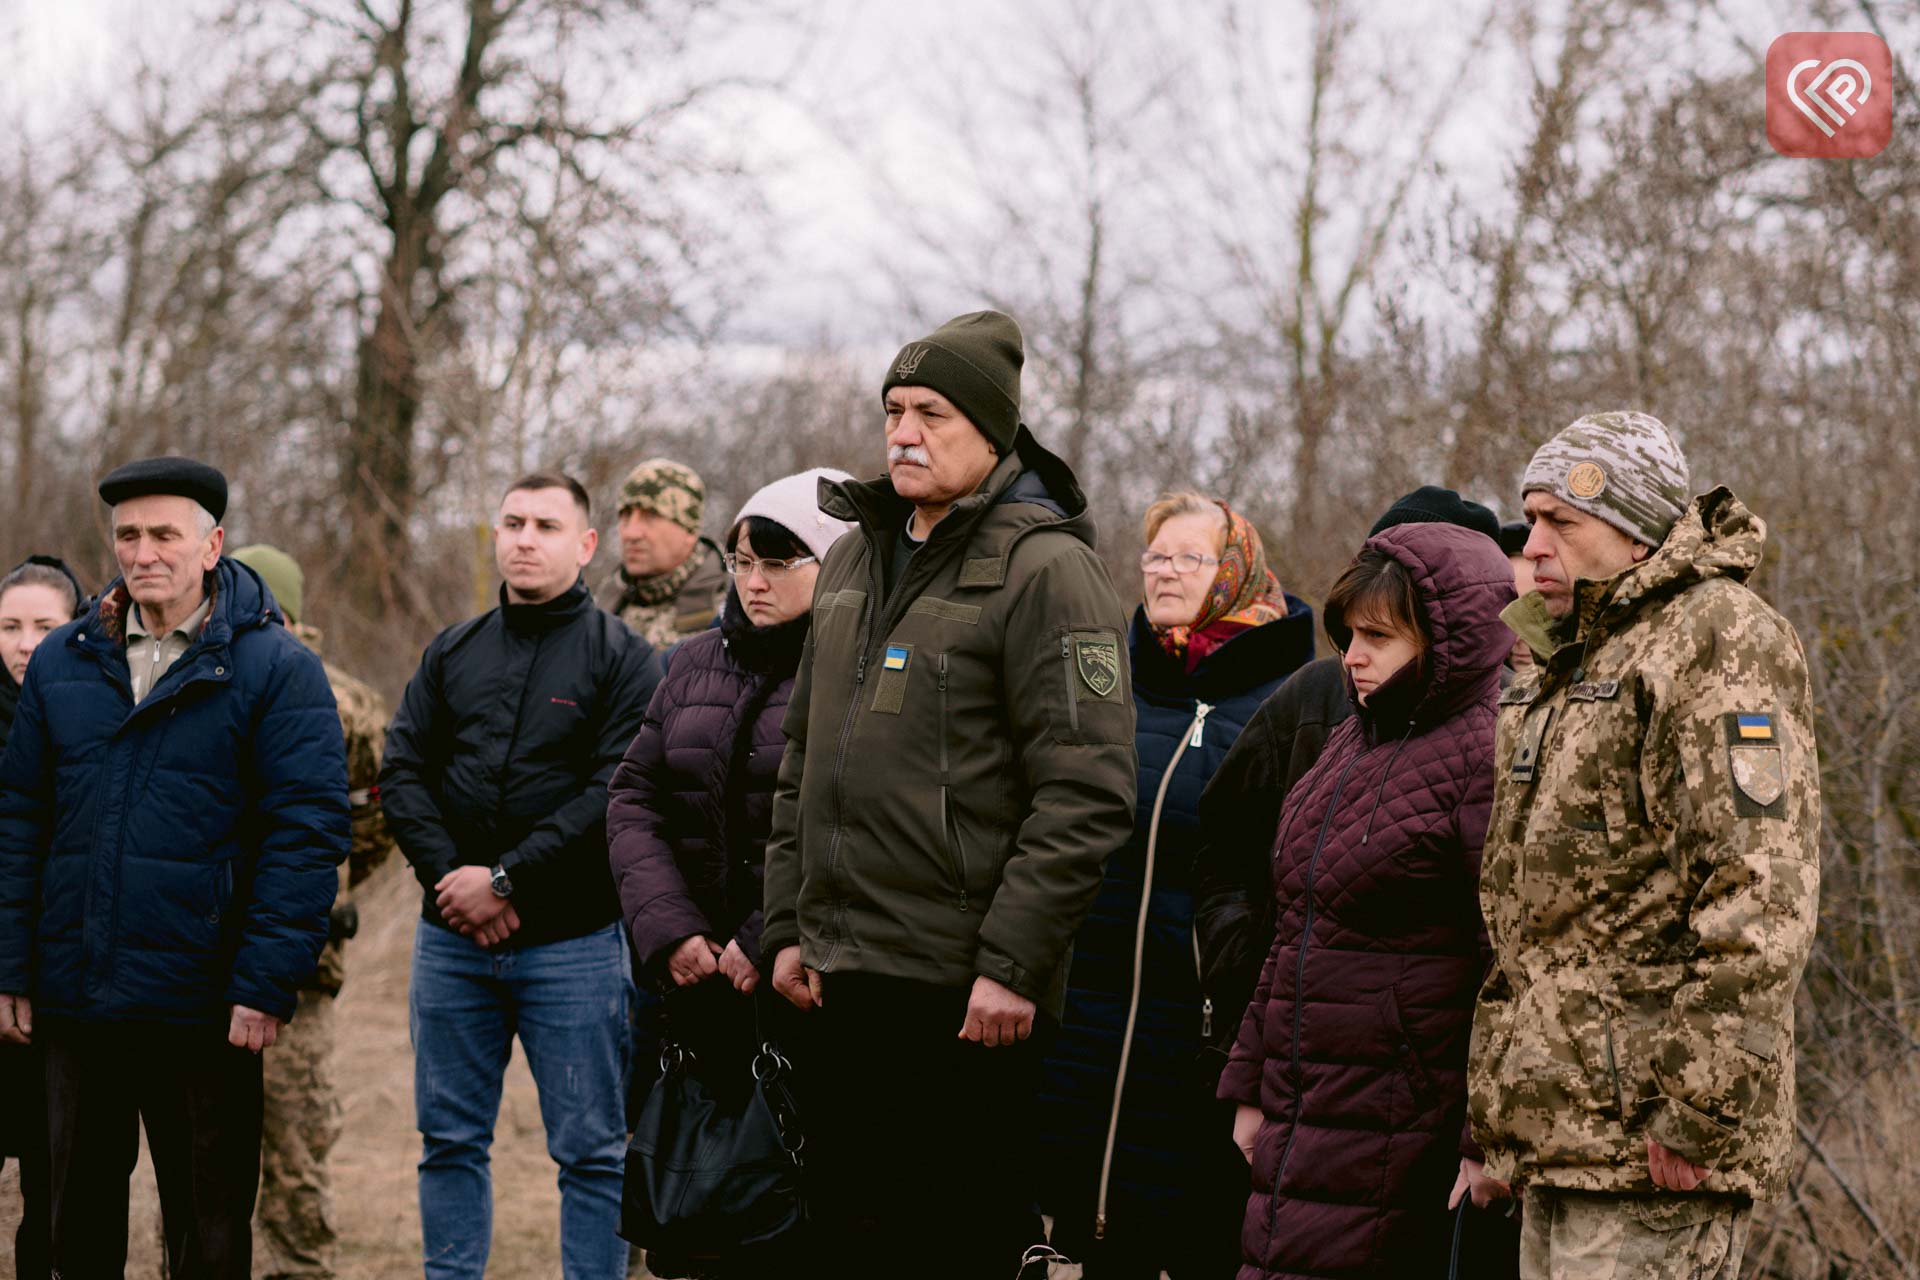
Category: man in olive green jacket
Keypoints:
(1651, 874)
(960, 764)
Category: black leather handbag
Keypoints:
(715, 1168)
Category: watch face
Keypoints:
(501, 884)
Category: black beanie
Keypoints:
(1430, 504)
(973, 360)
(1514, 535)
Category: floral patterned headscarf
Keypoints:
(1244, 594)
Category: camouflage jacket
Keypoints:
(679, 603)
(1651, 876)
(363, 718)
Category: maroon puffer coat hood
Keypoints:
(1355, 1044)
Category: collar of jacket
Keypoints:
(771, 650)
(1718, 537)
(532, 619)
(1250, 659)
(1030, 489)
(240, 603)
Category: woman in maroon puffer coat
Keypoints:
(690, 807)
(1350, 1068)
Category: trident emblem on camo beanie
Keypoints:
(1623, 468)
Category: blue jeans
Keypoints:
(568, 1002)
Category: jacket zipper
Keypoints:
(1073, 701)
(949, 821)
(1190, 738)
(1300, 976)
(840, 774)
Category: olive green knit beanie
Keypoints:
(280, 571)
(973, 360)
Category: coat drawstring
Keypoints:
(1381, 790)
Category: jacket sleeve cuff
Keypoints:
(1689, 1133)
(774, 939)
(1240, 1083)
(272, 1002)
(1469, 1149)
(989, 963)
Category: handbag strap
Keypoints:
(772, 1075)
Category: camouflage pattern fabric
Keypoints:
(1578, 1235)
(669, 607)
(1651, 878)
(301, 1121)
(1623, 468)
(296, 1236)
(671, 490)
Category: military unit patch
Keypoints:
(1758, 765)
(1098, 660)
(1760, 773)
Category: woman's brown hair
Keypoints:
(1377, 587)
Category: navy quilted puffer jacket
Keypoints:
(160, 862)
(1355, 1045)
(689, 808)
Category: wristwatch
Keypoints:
(501, 885)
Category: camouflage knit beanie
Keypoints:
(670, 490)
(973, 360)
(281, 573)
(1624, 468)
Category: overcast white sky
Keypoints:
(875, 62)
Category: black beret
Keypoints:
(175, 477)
(1430, 504)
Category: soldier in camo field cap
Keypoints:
(670, 583)
(1651, 874)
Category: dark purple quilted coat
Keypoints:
(689, 808)
(1355, 1045)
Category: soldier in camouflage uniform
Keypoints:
(670, 583)
(295, 1235)
(1651, 872)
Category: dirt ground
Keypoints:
(376, 1209)
(375, 1206)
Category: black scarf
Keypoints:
(765, 651)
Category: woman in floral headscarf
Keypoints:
(1138, 1166)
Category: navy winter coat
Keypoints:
(164, 861)
(1355, 1045)
(690, 807)
(1175, 1169)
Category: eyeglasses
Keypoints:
(743, 566)
(1184, 563)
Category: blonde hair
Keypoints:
(1183, 502)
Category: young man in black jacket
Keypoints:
(495, 787)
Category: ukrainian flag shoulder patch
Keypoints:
(896, 659)
(1754, 726)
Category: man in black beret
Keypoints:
(173, 805)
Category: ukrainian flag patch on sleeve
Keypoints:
(896, 657)
(1754, 726)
